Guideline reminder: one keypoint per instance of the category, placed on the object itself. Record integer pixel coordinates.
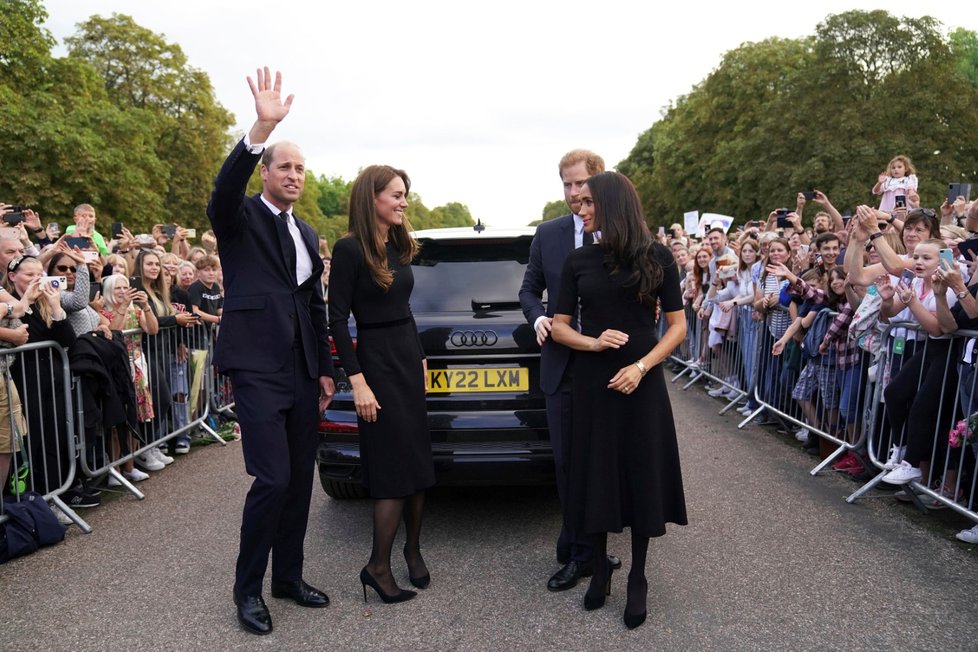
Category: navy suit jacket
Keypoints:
(553, 241)
(264, 308)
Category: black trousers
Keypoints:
(279, 418)
(560, 421)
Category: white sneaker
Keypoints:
(968, 536)
(64, 520)
(732, 394)
(718, 391)
(896, 456)
(135, 475)
(112, 482)
(745, 410)
(148, 461)
(161, 456)
(802, 435)
(902, 474)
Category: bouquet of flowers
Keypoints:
(963, 432)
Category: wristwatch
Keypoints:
(962, 294)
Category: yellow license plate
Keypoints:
(482, 379)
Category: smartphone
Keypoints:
(54, 228)
(907, 277)
(968, 245)
(90, 256)
(783, 222)
(169, 230)
(14, 218)
(947, 256)
(955, 190)
(820, 262)
(117, 229)
(93, 290)
(662, 231)
(57, 282)
(191, 234)
(81, 243)
(900, 201)
(846, 218)
(136, 283)
(809, 196)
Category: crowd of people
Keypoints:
(156, 295)
(801, 312)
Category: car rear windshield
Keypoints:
(469, 275)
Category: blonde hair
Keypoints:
(109, 284)
(42, 307)
(117, 259)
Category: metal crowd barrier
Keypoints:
(942, 394)
(39, 376)
(177, 364)
(846, 407)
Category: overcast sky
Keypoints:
(477, 101)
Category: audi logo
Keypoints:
(473, 338)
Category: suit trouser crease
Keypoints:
(560, 412)
(279, 419)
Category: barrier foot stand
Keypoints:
(70, 513)
(693, 381)
(733, 402)
(828, 460)
(915, 497)
(124, 481)
(863, 490)
(213, 433)
(750, 417)
(682, 373)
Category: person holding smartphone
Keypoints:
(84, 226)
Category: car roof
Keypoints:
(469, 233)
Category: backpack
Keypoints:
(865, 329)
(30, 524)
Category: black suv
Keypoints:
(486, 412)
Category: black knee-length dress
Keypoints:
(395, 450)
(623, 459)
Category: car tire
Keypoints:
(341, 490)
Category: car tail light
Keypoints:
(332, 347)
(344, 427)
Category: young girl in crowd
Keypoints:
(767, 302)
(739, 297)
(917, 406)
(697, 288)
(899, 179)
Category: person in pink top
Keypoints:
(899, 180)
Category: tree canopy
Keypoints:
(827, 111)
(125, 123)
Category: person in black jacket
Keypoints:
(39, 375)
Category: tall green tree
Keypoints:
(452, 214)
(144, 73)
(827, 111)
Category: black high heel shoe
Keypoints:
(634, 620)
(591, 603)
(367, 579)
(421, 582)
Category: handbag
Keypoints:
(30, 525)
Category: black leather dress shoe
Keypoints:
(300, 593)
(567, 577)
(253, 614)
(614, 562)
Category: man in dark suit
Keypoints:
(552, 242)
(273, 346)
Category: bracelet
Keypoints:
(641, 367)
(877, 234)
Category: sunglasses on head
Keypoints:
(66, 268)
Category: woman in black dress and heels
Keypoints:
(371, 279)
(624, 459)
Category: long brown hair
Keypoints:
(625, 236)
(363, 223)
(157, 290)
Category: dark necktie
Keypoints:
(288, 244)
(588, 238)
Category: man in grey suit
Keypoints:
(555, 239)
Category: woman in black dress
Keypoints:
(624, 459)
(372, 279)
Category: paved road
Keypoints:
(772, 559)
